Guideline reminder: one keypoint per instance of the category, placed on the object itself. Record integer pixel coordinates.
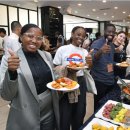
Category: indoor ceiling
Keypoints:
(117, 11)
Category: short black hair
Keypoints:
(98, 34)
(2, 30)
(109, 25)
(15, 24)
(77, 27)
(26, 27)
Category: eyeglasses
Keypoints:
(31, 36)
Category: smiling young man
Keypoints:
(102, 70)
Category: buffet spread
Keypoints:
(112, 116)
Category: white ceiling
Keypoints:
(104, 11)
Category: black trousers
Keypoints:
(73, 113)
(102, 90)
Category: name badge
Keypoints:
(109, 67)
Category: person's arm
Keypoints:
(8, 77)
(119, 49)
(98, 54)
(103, 50)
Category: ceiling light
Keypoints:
(36, 1)
(104, 1)
(129, 15)
(112, 16)
(79, 4)
(123, 12)
(105, 13)
(88, 15)
(59, 7)
(115, 7)
(97, 17)
(93, 10)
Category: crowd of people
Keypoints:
(27, 66)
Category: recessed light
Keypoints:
(88, 15)
(115, 7)
(59, 7)
(112, 16)
(93, 10)
(36, 1)
(97, 17)
(104, 1)
(79, 4)
(124, 12)
(105, 13)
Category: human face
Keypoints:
(32, 40)
(110, 33)
(121, 38)
(2, 34)
(78, 37)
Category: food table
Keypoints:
(113, 97)
(99, 118)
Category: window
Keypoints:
(3, 15)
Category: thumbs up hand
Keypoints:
(90, 52)
(88, 59)
(13, 61)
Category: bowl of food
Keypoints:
(126, 91)
(125, 87)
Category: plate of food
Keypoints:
(128, 56)
(114, 112)
(125, 80)
(77, 66)
(98, 124)
(123, 64)
(63, 84)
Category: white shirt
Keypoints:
(70, 53)
(1, 45)
(1, 42)
(128, 49)
(12, 42)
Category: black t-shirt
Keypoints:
(118, 58)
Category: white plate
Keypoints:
(77, 68)
(62, 89)
(126, 80)
(119, 64)
(128, 56)
(99, 121)
(99, 113)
